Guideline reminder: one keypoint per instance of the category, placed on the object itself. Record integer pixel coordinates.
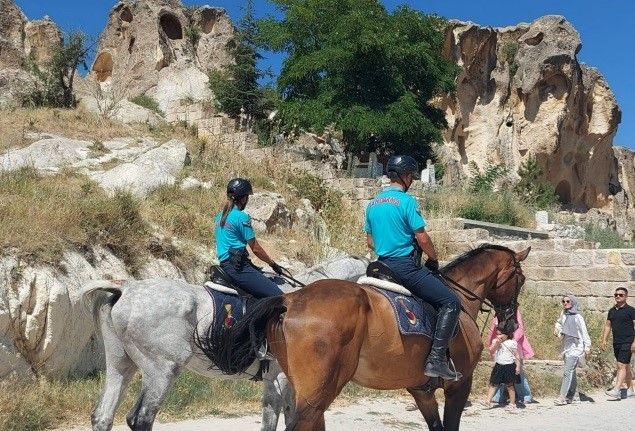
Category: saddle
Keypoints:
(413, 315)
(230, 305)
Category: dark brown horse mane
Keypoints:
(470, 254)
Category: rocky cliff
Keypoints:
(161, 49)
(24, 45)
(522, 92)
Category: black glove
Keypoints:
(432, 265)
(276, 268)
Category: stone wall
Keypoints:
(555, 266)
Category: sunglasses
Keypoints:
(566, 301)
(618, 295)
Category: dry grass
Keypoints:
(78, 123)
(44, 216)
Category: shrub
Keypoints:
(484, 181)
(607, 237)
(148, 103)
(532, 188)
(494, 208)
(56, 81)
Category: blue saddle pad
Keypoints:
(414, 317)
(228, 309)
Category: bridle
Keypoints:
(506, 311)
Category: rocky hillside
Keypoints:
(522, 92)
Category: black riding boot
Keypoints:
(437, 365)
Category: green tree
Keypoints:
(369, 72)
(532, 187)
(57, 79)
(483, 182)
(236, 86)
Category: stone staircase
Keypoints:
(211, 126)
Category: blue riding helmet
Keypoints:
(239, 188)
(402, 165)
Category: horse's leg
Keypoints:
(157, 377)
(275, 388)
(119, 371)
(288, 402)
(456, 395)
(428, 407)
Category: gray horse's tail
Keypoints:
(102, 296)
(235, 349)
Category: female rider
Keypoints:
(233, 233)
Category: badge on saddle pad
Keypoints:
(229, 320)
(413, 317)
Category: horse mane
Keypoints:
(471, 253)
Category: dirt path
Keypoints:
(390, 414)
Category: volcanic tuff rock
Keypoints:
(161, 49)
(23, 44)
(521, 92)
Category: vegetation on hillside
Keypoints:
(235, 87)
(55, 87)
(369, 72)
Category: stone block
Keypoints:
(582, 258)
(613, 257)
(600, 257)
(628, 257)
(608, 274)
(536, 273)
(570, 274)
(548, 258)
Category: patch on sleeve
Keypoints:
(247, 223)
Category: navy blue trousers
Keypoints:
(421, 281)
(251, 280)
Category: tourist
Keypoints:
(621, 321)
(507, 366)
(523, 390)
(576, 346)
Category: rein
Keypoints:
(469, 295)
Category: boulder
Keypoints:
(154, 168)
(15, 87)
(143, 164)
(522, 93)
(310, 221)
(268, 211)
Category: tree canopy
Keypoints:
(236, 86)
(370, 72)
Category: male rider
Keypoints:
(394, 227)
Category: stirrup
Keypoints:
(262, 354)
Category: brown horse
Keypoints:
(332, 332)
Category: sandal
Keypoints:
(560, 402)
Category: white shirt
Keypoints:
(505, 352)
(578, 345)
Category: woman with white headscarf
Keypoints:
(576, 345)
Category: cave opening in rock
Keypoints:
(208, 20)
(126, 15)
(102, 68)
(171, 26)
(563, 190)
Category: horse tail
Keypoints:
(233, 350)
(102, 295)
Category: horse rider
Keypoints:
(233, 233)
(394, 228)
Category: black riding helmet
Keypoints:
(402, 165)
(239, 188)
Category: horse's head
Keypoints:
(505, 288)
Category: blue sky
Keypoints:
(606, 29)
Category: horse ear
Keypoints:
(522, 255)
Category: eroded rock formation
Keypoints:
(23, 46)
(521, 92)
(161, 49)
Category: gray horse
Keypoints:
(148, 325)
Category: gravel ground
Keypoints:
(595, 413)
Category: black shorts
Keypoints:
(623, 352)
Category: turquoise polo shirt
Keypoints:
(392, 218)
(235, 234)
